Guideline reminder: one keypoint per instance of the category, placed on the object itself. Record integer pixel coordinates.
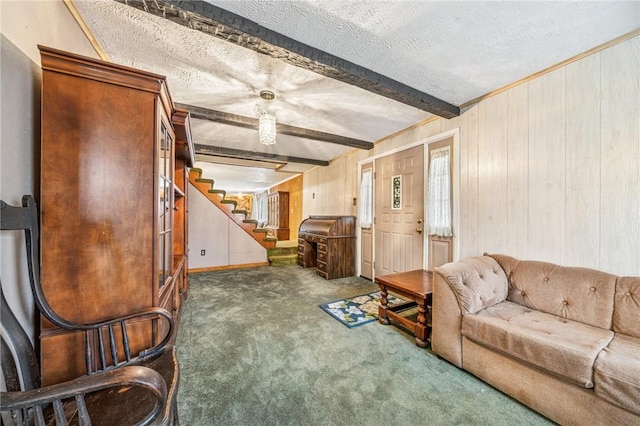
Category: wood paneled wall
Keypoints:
(549, 169)
(294, 188)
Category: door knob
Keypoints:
(419, 230)
(419, 221)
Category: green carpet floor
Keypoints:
(255, 349)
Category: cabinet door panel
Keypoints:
(97, 198)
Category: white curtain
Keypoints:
(260, 208)
(440, 194)
(365, 207)
(254, 206)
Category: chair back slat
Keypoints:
(125, 341)
(61, 419)
(112, 344)
(18, 417)
(87, 351)
(38, 415)
(83, 414)
(103, 357)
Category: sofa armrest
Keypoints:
(446, 322)
(462, 288)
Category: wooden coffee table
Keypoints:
(417, 287)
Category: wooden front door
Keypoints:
(399, 212)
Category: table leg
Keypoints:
(382, 310)
(421, 331)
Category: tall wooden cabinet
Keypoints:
(113, 201)
(278, 215)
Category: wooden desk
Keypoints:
(417, 286)
(328, 243)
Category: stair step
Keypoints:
(287, 243)
(282, 251)
(204, 180)
(238, 211)
(218, 191)
(283, 260)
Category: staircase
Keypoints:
(217, 196)
(284, 253)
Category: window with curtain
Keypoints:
(260, 208)
(439, 195)
(365, 207)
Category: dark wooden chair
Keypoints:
(119, 388)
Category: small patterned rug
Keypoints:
(358, 310)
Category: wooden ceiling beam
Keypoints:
(283, 129)
(252, 155)
(220, 23)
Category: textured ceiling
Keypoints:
(455, 51)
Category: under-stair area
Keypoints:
(229, 207)
(279, 253)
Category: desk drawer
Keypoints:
(322, 266)
(322, 247)
(322, 274)
(322, 256)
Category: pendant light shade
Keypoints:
(267, 122)
(267, 129)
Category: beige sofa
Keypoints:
(564, 341)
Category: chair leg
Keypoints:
(176, 418)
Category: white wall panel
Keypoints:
(547, 167)
(470, 244)
(243, 249)
(430, 129)
(492, 175)
(518, 172)
(208, 231)
(620, 195)
(582, 230)
(460, 235)
(309, 188)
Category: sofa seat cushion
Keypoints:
(617, 373)
(557, 345)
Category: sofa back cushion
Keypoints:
(478, 282)
(626, 316)
(578, 294)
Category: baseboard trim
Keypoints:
(226, 267)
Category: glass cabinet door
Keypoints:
(165, 210)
